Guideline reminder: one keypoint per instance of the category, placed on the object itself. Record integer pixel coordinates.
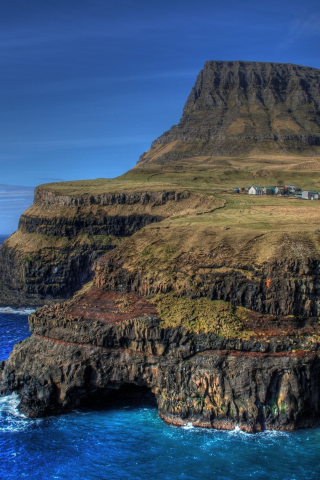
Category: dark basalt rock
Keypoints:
(284, 287)
(66, 271)
(121, 226)
(47, 198)
(205, 379)
(60, 271)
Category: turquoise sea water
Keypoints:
(127, 442)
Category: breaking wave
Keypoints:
(11, 420)
(17, 311)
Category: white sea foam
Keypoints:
(238, 431)
(269, 433)
(17, 311)
(188, 426)
(9, 404)
(10, 417)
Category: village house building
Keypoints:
(290, 188)
(255, 190)
(269, 190)
(308, 194)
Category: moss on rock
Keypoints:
(202, 315)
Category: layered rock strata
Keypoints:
(52, 269)
(67, 234)
(235, 107)
(82, 351)
(282, 287)
(46, 198)
(122, 225)
(282, 280)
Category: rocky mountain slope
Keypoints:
(238, 107)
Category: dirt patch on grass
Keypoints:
(110, 307)
(310, 166)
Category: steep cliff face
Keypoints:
(46, 198)
(99, 224)
(51, 267)
(60, 237)
(268, 272)
(82, 351)
(235, 107)
(287, 287)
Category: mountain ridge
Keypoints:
(236, 107)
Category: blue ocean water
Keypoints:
(132, 443)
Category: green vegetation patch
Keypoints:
(202, 315)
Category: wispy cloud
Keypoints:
(79, 142)
(48, 179)
(302, 27)
(307, 26)
(14, 199)
(14, 190)
(92, 82)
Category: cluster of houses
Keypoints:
(285, 191)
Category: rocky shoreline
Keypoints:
(83, 350)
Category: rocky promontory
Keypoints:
(83, 352)
(172, 282)
(60, 237)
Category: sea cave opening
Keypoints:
(128, 395)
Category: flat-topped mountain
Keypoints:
(238, 108)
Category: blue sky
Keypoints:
(86, 86)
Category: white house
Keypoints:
(255, 191)
(308, 194)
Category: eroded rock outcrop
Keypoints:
(82, 351)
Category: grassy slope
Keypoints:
(242, 230)
(30, 243)
(205, 175)
(250, 228)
